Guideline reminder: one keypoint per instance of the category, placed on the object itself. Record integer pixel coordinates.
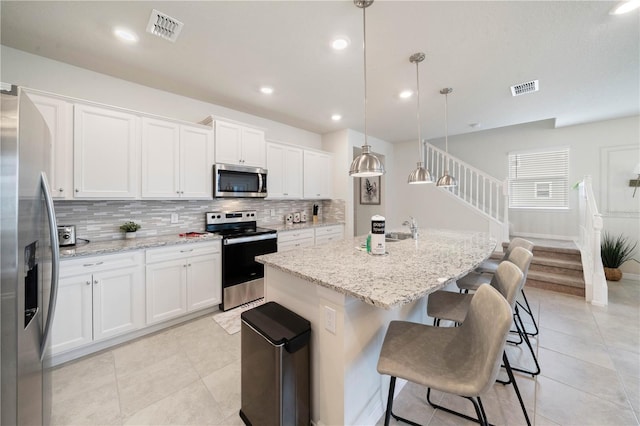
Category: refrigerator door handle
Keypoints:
(55, 263)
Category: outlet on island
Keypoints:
(330, 319)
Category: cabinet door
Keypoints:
(196, 163)
(118, 302)
(106, 153)
(277, 170)
(317, 175)
(166, 290)
(160, 159)
(228, 143)
(293, 172)
(253, 148)
(58, 115)
(72, 321)
(204, 281)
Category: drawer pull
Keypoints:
(95, 282)
(186, 251)
(88, 264)
(88, 282)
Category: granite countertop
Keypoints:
(302, 225)
(114, 246)
(410, 270)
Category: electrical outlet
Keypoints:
(273, 212)
(330, 319)
(174, 217)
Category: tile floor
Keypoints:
(189, 374)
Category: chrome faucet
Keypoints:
(413, 227)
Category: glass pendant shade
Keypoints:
(366, 164)
(420, 175)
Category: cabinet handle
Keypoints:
(99, 263)
(88, 282)
(60, 190)
(88, 264)
(177, 192)
(189, 264)
(95, 281)
(77, 190)
(285, 193)
(186, 251)
(317, 195)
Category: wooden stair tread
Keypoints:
(555, 278)
(558, 263)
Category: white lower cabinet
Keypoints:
(98, 297)
(291, 240)
(327, 234)
(182, 279)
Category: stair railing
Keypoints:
(476, 188)
(590, 222)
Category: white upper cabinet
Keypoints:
(58, 114)
(284, 163)
(317, 175)
(240, 145)
(106, 157)
(160, 159)
(177, 160)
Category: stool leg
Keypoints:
(512, 380)
(525, 337)
(392, 387)
(529, 312)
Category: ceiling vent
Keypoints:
(164, 26)
(524, 88)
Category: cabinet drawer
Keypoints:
(294, 244)
(329, 230)
(182, 251)
(295, 235)
(71, 267)
(324, 239)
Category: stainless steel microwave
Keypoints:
(239, 181)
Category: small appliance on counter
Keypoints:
(288, 219)
(303, 216)
(67, 235)
(296, 217)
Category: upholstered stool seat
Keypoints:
(448, 305)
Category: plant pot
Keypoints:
(612, 274)
(130, 235)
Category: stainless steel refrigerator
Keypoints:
(30, 260)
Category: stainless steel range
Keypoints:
(242, 241)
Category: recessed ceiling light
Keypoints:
(125, 35)
(340, 43)
(625, 7)
(336, 117)
(405, 94)
(266, 90)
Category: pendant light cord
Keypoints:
(418, 113)
(364, 49)
(446, 123)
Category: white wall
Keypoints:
(594, 150)
(24, 69)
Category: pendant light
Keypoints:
(420, 174)
(366, 164)
(446, 180)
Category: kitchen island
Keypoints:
(350, 297)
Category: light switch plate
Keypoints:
(330, 319)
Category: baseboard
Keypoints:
(544, 236)
(630, 276)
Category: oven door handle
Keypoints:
(231, 241)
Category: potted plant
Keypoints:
(615, 251)
(130, 229)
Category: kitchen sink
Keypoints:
(396, 236)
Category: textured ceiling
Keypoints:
(587, 61)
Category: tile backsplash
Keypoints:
(101, 220)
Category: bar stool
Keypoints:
(453, 306)
(484, 272)
(461, 360)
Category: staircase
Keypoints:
(555, 267)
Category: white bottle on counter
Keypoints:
(377, 235)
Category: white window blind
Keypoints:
(539, 179)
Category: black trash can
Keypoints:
(275, 367)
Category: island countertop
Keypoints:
(410, 270)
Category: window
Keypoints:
(539, 180)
